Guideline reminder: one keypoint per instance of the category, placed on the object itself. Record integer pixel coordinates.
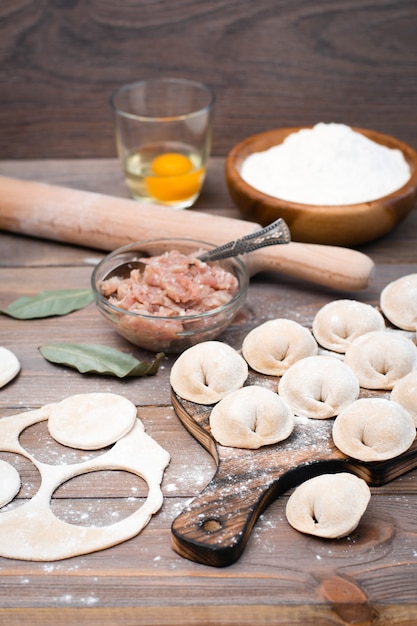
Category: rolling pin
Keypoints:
(105, 222)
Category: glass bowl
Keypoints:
(171, 333)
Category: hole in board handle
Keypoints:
(211, 525)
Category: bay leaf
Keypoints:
(49, 303)
(99, 359)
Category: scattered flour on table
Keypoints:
(329, 164)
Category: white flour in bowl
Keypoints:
(329, 164)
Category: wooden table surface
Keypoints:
(283, 577)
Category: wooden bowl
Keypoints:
(344, 225)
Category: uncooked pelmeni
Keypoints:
(91, 421)
(274, 346)
(208, 371)
(329, 505)
(9, 482)
(398, 302)
(380, 358)
(9, 366)
(404, 393)
(251, 417)
(318, 387)
(339, 322)
(373, 429)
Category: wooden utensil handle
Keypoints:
(105, 222)
(216, 526)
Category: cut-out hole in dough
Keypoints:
(37, 440)
(48, 538)
(99, 498)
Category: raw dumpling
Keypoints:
(380, 358)
(9, 366)
(373, 429)
(275, 345)
(329, 505)
(404, 393)
(318, 387)
(251, 417)
(208, 371)
(9, 482)
(398, 302)
(339, 322)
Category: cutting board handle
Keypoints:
(216, 526)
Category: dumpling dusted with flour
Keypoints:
(399, 302)
(373, 429)
(404, 393)
(380, 358)
(318, 387)
(330, 505)
(340, 322)
(251, 417)
(274, 346)
(208, 371)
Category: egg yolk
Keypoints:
(172, 178)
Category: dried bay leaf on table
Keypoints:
(49, 303)
(98, 359)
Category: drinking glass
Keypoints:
(163, 130)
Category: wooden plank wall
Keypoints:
(271, 62)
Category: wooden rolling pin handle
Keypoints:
(105, 222)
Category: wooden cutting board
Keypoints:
(214, 529)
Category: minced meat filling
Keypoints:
(172, 284)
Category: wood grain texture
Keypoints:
(272, 63)
(283, 577)
(216, 526)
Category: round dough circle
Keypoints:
(404, 393)
(274, 346)
(91, 421)
(251, 417)
(329, 505)
(373, 429)
(318, 387)
(207, 372)
(380, 358)
(9, 366)
(9, 482)
(398, 302)
(338, 323)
